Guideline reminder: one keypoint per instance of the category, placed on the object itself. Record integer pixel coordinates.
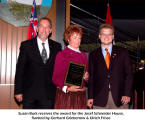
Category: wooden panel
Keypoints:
(13, 104)
(10, 39)
(25, 32)
(7, 100)
(1, 26)
(19, 39)
(14, 57)
(52, 16)
(3, 54)
(67, 13)
(8, 54)
(5, 97)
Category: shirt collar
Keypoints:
(109, 49)
(76, 50)
(40, 41)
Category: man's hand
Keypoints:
(90, 103)
(125, 100)
(19, 97)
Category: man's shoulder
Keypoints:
(95, 51)
(26, 42)
(119, 48)
(55, 45)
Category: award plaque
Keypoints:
(74, 74)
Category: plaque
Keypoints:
(74, 74)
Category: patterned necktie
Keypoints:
(44, 54)
(107, 58)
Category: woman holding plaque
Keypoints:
(69, 95)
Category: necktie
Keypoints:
(107, 58)
(44, 54)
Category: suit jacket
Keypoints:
(119, 76)
(33, 78)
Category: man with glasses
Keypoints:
(110, 85)
(33, 79)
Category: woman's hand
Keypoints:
(86, 76)
(75, 88)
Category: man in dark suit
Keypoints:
(33, 79)
(110, 85)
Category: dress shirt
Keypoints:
(104, 51)
(104, 54)
(39, 42)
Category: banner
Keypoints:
(33, 23)
(108, 16)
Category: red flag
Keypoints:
(108, 16)
(33, 23)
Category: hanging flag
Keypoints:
(33, 23)
(108, 16)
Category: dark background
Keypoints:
(120, 9)
(128, 17)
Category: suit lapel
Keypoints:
(36, 50)
(101, 57)
(114, 56)
(50, 50)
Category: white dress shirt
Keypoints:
(39, 42)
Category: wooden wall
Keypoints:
(67, 23)
(10, 39)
